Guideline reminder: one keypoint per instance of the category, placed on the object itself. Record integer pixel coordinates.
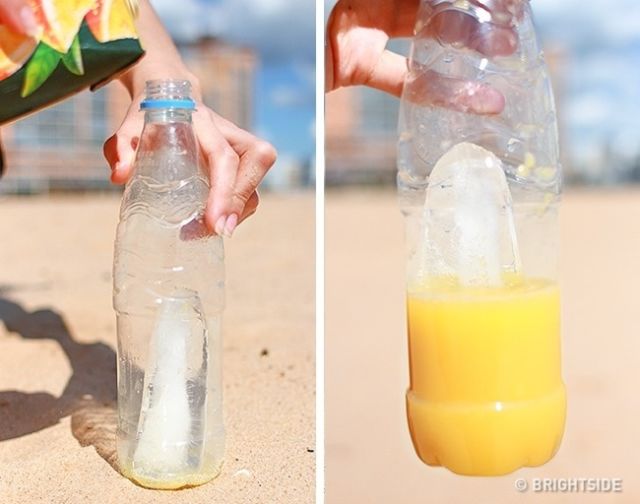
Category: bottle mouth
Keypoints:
(168, 94)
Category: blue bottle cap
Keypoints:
(185, 103)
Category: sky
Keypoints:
(599, 82)
(283, 34)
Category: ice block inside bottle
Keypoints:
(165, 417)
(469, 231)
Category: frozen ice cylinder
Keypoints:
(168, 297)
(479, 184)
(470, 181)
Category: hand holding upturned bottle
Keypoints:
(358, 32)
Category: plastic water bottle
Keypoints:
(479, 184)
(168, 297)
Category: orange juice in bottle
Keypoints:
(486, 395)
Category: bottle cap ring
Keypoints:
(187, 104)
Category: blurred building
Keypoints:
(361, 132)
(61, 147)
(360, 136)
(227, 76)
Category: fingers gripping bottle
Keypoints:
(480, 195)
(168, 297)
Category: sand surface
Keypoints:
(57, 356)
(370, 459)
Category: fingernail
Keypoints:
(231, 224)
(29, 22)
(219, 227)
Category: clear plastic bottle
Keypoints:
(168, 297)
(480, 194)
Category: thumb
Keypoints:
(119, 149)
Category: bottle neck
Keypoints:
(168, 151)
(167, 115)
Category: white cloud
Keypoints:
(300, 90)
(288, 96)
(595, 22)
(188, 19)
(278, 29)
(590, 109)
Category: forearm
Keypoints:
(161, 61)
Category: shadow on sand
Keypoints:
(89, 396)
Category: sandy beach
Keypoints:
(370, 459)
(57, 364)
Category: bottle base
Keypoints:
(487, 439)
(170, 481)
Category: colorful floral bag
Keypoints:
(80, 44)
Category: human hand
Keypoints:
(358, 32)
(235, 160)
